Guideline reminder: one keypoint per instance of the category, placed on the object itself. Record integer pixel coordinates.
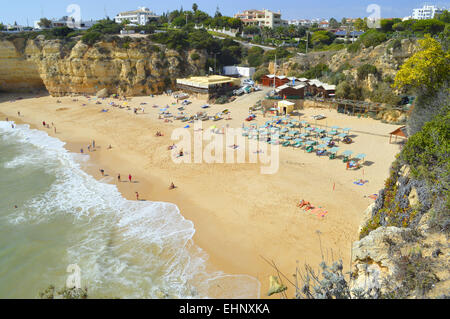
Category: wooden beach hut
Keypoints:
(400, 132)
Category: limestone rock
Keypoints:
(139, 69)
(102, 93)
(371, 259)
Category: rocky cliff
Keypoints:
(387, 58)
(126, 68)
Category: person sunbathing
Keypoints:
(301, 203)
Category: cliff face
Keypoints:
(386, 57)
(405, 255)
(136, 68)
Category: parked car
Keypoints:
(239, 91)
(248, 82)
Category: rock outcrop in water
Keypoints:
(61, 67)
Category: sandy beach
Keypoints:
(240, 215)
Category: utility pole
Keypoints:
(307, 41)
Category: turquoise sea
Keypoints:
(124, 249)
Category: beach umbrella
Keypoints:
(309, 129)
(284, 130)
(304, 135)
(360, 156)
(334, 150)
(342, 135)
(322, 146)
(347, 153)
(335, 127)
(310, 142)
(326, 139)
(347, 129)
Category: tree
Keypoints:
(217, 14)
(2, 27)
(322, 37)
(334, 24)
(344, 21)
(432, 26)
(444, 16)
(360, 25)
(386, 24)
(255, 56)
(45, 23)
(194, 7)
(429, 68)
(372, 38)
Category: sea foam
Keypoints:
(127, 249)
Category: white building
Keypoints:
(426, 12)
(233, 70)
(140, 16)
(261, 18)
(68, 22)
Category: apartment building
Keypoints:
(261, 18)
(426, 12)
(140, 16)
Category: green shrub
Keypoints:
(195, 56)
(354, 47)
(394, 45)
(259, 73)
(372, 38)
(365, 70)
(91, 37)
(316, 72)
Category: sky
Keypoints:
(21, 11)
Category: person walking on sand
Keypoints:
(129, 177)
(81, 151)
(137, 195)
(89, 148)
(18, 113)
(172, 186)
(118, 178)
(102, 171)
(43, 123)
(93, 143)
(55, 129)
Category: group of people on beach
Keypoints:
(90, 146)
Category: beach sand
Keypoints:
(240, 215)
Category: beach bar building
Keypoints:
(285, 107)
(271, 79)
(291, 90)
(208, 86)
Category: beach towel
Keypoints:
(373, 196)
(187, 126)
(360, 183)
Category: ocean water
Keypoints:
(124, 249)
